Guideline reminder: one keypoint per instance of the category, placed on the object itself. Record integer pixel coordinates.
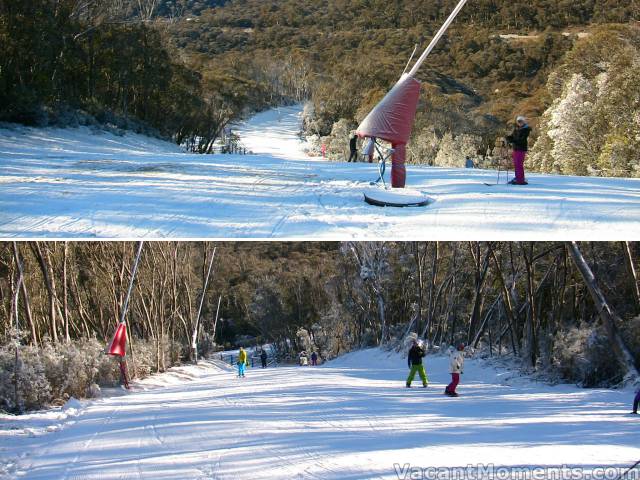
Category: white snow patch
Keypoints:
(72, 405)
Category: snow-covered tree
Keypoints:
(337, 143)
(374, 270)
(424, 147)
(574, 147)
(593, 126)
(454, 150)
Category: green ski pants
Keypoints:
(421, 372)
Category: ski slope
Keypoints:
(75, 183)
(349, 419)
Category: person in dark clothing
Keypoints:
(519, 140)
(314, 359)
(263, 358)
(636, 403)
(414, 360)
(353, 146)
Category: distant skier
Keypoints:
(636, 403)
(242, 362)
(353, 146)
(456, 366)
(303, 360)
(314, 359)
(263, 358)
(519, 141)
(369, 149)
(414, 361)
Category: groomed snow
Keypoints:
(75, 183)
(349, 419)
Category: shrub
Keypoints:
(51, 374)
(583, 355)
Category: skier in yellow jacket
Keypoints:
(242, 362)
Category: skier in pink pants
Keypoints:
(519, 140)
(456, 366)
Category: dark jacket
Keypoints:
(416, 353)
(353, 144)
(263, 355)
(314, 356)
(519, 138)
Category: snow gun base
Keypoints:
(395, 197)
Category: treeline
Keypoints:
(351, 42)
(339, 14)
(498, 60)
(564, 311)
(66, 62)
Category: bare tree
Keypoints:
(607, 315)
(25, 295)
(44, 260)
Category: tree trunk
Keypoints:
(634, 274)
(507, 300)
(419, 259)
(65, 292)
(481, 268)
(45, 267)
(529, 350)
(432, 286)
(215, 321)
(25, 295)
(607, 315)
(381, 316)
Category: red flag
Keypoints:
(118, 344)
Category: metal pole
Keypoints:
(410, 58)
(125, 306)
(437, 38)
(194, 338)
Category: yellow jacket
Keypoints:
(242, 356)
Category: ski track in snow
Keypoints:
(350, 419)
(75, 183)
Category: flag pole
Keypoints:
(125, 306)
(120, 334)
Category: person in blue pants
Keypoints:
(636, 402)
(242, 362)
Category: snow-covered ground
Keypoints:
(75, 183)
(274, 133)
(350, 419)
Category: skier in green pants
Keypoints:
(416, 354)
